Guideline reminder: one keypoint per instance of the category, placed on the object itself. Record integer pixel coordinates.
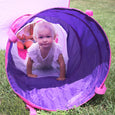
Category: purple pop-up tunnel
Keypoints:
(88, 64)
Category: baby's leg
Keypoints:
(28, 43)
(20, 45)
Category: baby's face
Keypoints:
(45, 38)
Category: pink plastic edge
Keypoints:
(33, 105)
(32, 110)
(89, 12)
(100, 91)
(13, 36)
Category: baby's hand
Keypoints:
(32, 75)
(61, 78)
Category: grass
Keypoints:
(104, 13)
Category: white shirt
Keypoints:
(50, 61)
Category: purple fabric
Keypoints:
(88, 65)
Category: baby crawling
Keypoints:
(45, 53)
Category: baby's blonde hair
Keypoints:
(45, 25)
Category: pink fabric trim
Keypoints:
(32, 110)
(22, 53)
(101, 90)
(12, 37)
(89, 12)
(6, 54)
(56, 40)
(31, 104)
(16, 25)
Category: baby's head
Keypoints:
(42, 29)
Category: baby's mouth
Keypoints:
(46, 44)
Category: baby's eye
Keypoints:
(48, 36)
(40, 37)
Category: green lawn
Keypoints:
(104, 13)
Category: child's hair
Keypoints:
(44, 24)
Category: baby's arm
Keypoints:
(62, 67)
(29, 68)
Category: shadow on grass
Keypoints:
(96, 100)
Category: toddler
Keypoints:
(45, 53)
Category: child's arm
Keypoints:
(62, 67)
(29, 68)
